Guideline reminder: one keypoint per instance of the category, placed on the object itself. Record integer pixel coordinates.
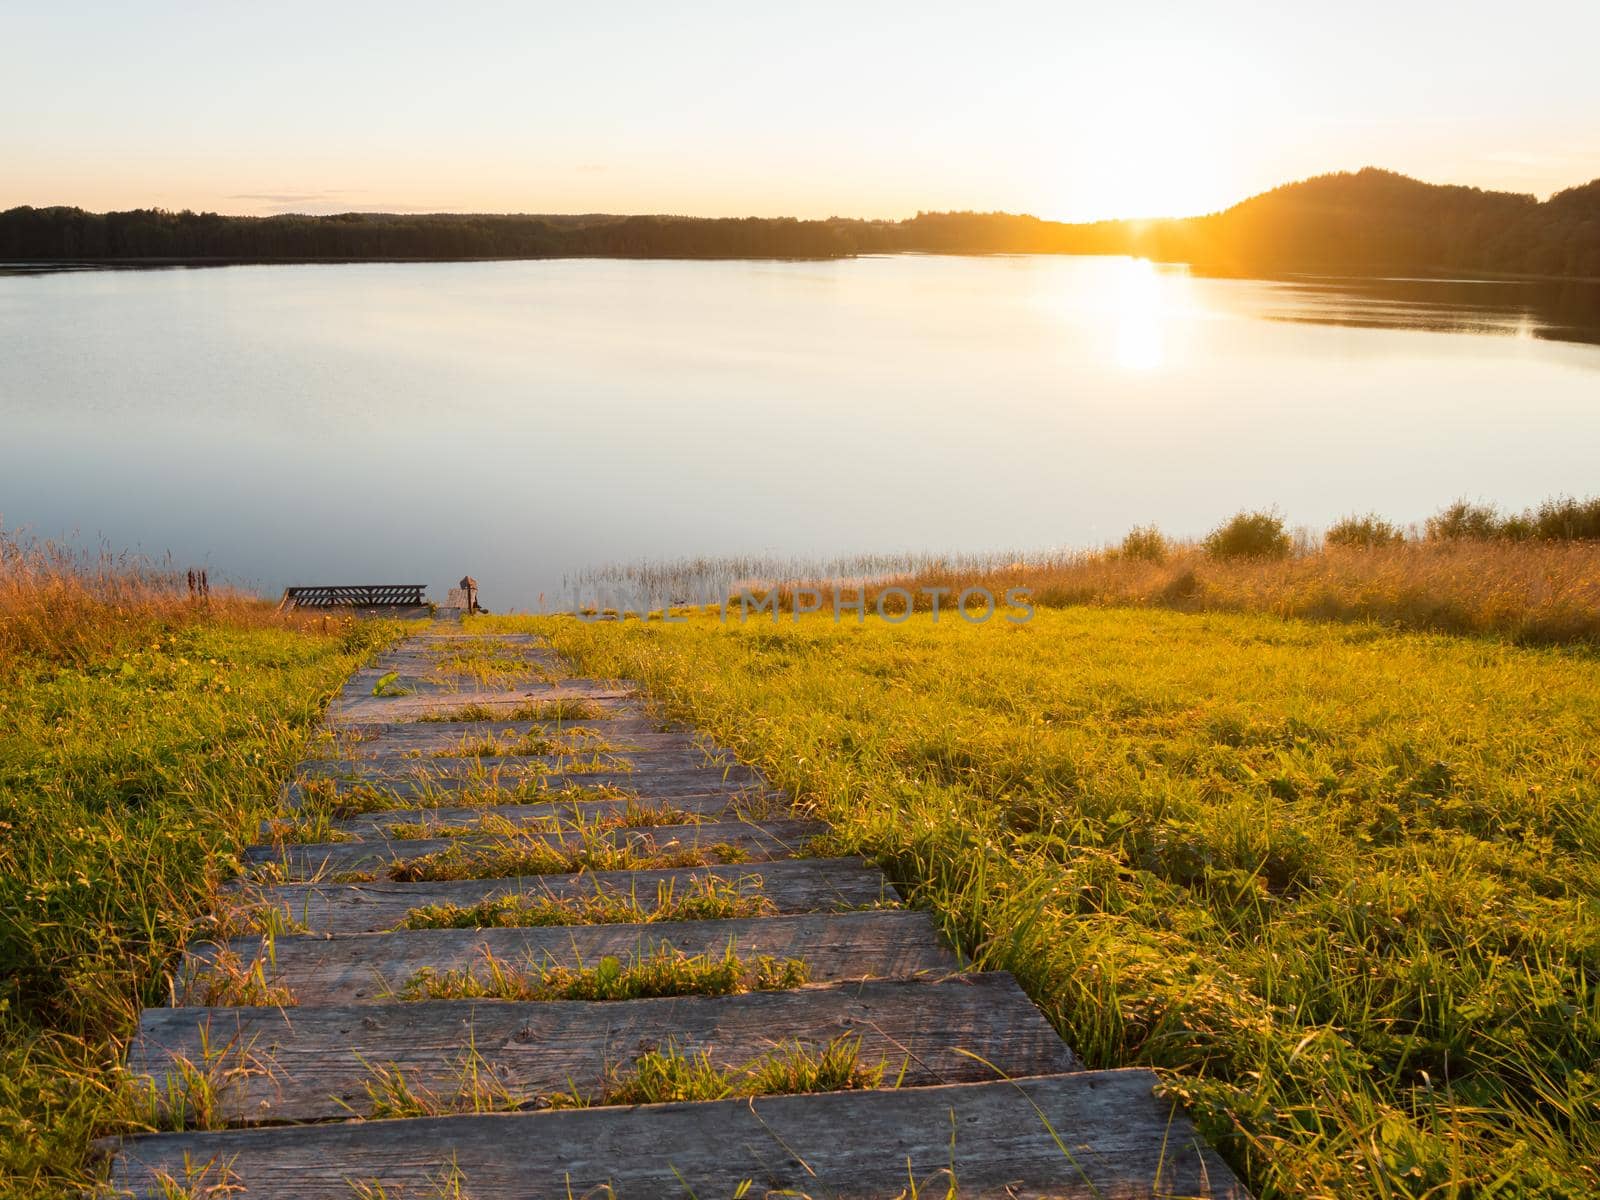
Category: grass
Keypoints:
(190, 1095)
(1533, 593)
(410, 831)
(701, 899)
(634, 815)
(390, 1094)
(566, 709)
(310, 825)
(143, 737)
(535, 743)
(656, 1077)
(368, 798)
(389, 684)
(664, 971)
(486, 661)
(523, 852)
(669, 1076)
(638, 815)
(226, 980)
(428, 772)
(1337, 883)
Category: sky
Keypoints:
(1071, 111)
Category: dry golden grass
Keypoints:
(72, 607)
(1529, 592)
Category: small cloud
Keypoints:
(329, 206)
(592, 168)
(282, 197)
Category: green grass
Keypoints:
(325, 795)
(523, 852)
(664, 971)
(567, 709)
(129, 781)
(701, 899)
(1338, 884)
(669, 1076)
(487, 661)
(535, 743)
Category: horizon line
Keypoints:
(412, 211)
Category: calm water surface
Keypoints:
(522, 421)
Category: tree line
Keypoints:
(1369, 221)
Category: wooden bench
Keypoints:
(363, 595)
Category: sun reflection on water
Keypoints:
(1141, 316)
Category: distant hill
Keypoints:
(1366, 222)
(1378, 221)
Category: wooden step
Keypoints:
(791, 885)
(429, 660)
(424, 747)
(655, 784)
(1103, 1134)
(400, 769)
(353, 707)
(310, 860)
(416, 682)
(618, 721)
(311, 1064)
(369, 968)
(711, 805)
(446, 774)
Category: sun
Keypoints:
(1156, 145)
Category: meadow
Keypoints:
(1337, 882)
(1532, 576)
(144, 732)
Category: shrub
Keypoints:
(1145, 543)
(1565, 519)
(1463, 521)
(1249, 535)
(1363, 532)
(1519, 527)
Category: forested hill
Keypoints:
(1369, 221)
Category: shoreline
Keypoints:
(1399, 274)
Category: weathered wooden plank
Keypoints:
(614, 715)
(712, 805)
(357, 709)
(443, 633)
(431, 774)
(414, 685)
(653, 785)
(428, 741)
(308, 1064)
(370, 967)
(399, 769)
(790, 885)
(310, 860)
(379, 740)
(1091, 1133)
(423, 744)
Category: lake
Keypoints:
(522, 421)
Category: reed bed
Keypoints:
(1539, 593)
(69, 606)
(1529, 591)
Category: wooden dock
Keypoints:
(305, 1044)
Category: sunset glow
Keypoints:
(1145, 110)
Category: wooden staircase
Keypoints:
(285, 1043)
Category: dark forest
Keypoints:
(1369, 221)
